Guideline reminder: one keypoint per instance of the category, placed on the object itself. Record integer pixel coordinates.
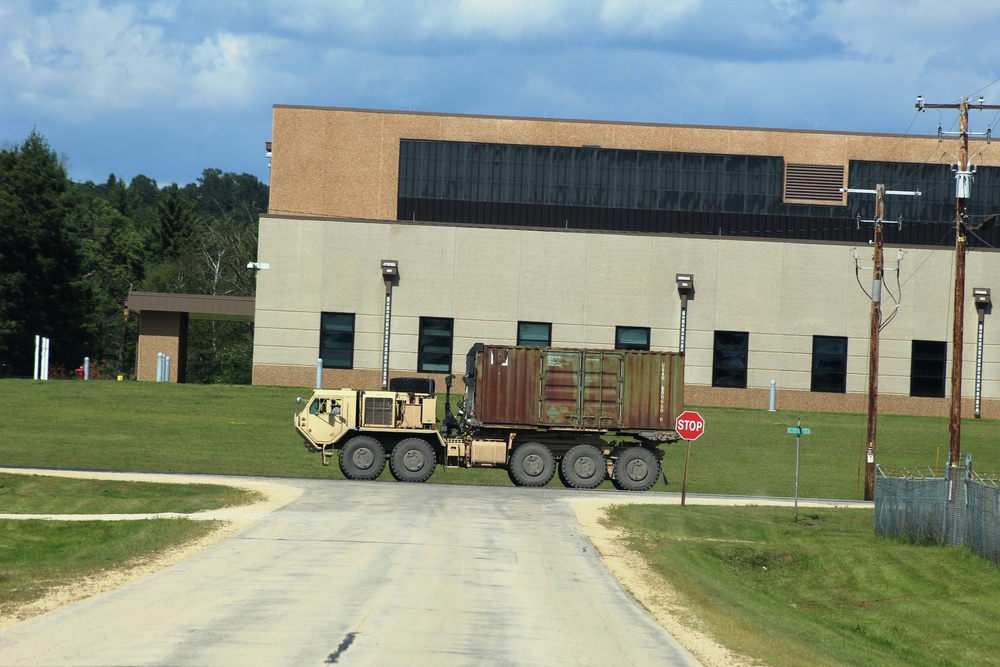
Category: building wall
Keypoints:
(585, 284)
(166, 332)
(345, 162)
(333, 200)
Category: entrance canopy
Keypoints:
(163, 320)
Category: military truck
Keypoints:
(588, 414)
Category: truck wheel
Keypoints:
(636, 469)
(363, 457)
(412, 460)
(531, 464)
(583, 467)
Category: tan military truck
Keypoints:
(590, 414)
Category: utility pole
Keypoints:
(963, 190)
(878, 272)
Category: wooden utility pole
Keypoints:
(878, 273)
(963, 190)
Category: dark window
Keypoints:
(928, 360)
(829, 364)
(534, 333)
(729, 359)
(631, 338)
(435, 344)
(336, 340)
(620, 189)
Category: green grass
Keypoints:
(823, 590)
(41, 494)
(831, 593)
(36, 556)
(160, 427)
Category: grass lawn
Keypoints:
(820, 591)
(41, 494)
(36, 555)
(161, 427)
(823, 590)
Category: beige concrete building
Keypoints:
(573, 233)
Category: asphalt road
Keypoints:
(384, 573)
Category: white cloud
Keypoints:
(647, 18)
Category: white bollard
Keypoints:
(319, 373)
(38, 357)
(86, 368)
(772, 396)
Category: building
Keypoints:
(580, 233)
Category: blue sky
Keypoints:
(169, 88)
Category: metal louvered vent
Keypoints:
(814, 182)
(378, 411)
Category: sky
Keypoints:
(168, 88)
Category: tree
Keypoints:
(113, 256)
(40, 282)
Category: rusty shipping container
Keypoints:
(574, 389)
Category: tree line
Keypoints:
(71, 252)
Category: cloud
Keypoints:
(168, 78)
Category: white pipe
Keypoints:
(38, 352)
(771, 408)
(166, 368)
(319, 373)
(45, 358)
(86, 368)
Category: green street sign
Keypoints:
(795, 430)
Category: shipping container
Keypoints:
(622, 391)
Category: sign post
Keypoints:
(799, 432)
(690, 426)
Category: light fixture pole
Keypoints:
(390, 272)
(685, 287)
(981, 297)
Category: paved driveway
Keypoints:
(381, 573)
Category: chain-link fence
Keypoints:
(960, 508)
(982, 521)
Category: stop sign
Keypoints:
(689, 425)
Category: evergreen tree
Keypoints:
(41, 292)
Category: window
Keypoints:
(729, 359)
(434, 344)
(829, 364)
(534, 333)
(336, 340)
(928, 360)
(631, 338)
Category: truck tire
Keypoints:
(583, 467)
(412, 460)
(363, 458)
(636, 469)
(412, 385)
(531, 464)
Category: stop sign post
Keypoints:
(690, 426)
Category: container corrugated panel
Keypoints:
(507, 385)
(578, 389)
